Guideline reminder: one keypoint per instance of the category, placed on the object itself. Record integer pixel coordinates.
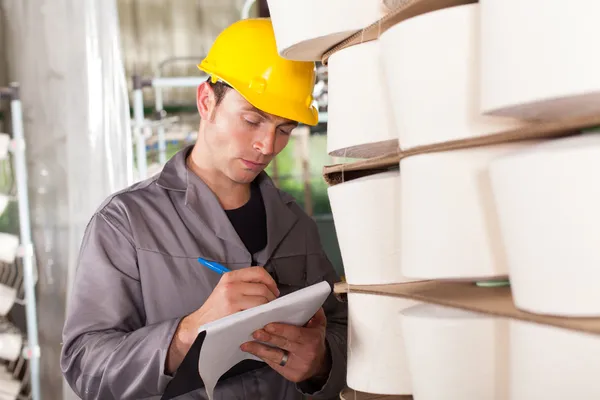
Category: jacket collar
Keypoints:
(202, 201)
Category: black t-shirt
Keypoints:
(250, 221)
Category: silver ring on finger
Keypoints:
(284, 359)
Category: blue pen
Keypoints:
(215, 266)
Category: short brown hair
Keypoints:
(219, 88)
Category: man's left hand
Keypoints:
(305, 346)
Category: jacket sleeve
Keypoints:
(108, 352)
(337, 329)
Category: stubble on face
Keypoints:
(230, 138)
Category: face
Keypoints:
(239, 139)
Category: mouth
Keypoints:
(253, 165)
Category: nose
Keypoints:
(265, 142)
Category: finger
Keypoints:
(245, 302)
(289, 372)
(264, 352)
(252, 274)
(291, 332)
(277, 341)
(254, 289)
(319, 319)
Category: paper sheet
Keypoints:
(221, 348)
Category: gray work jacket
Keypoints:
(138, 275)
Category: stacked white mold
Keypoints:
(548, 201)
(448, 223)
(552, 363)
(359, 126)
(360, 118)
(305, 29)
(537, 58)
(455, 354)
(547, 196)
(376, 352)
(511, 207)
(364, 212)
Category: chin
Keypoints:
(244, 177)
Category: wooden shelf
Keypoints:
(350, 394)
(468, 296)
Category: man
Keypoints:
(140, 295)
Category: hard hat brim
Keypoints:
(278, 107)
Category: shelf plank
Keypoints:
(350, 394)
(467, 296)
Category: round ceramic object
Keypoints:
(365, 215)
(8, 295)
(448, 221)
(9, 388)
(455, 354)
(305, 29)
(360, 118)
(431, 65)
(547, 199)
(376, 353)
(9, 245)
(538, 59)
(10, 346)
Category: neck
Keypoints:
(229, 193)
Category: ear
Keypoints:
(205, 101)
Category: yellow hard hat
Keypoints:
(245, 56)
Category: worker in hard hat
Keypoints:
(140, 293)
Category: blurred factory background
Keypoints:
(75, 62)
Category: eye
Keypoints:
(252, 122)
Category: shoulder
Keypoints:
(118, 207)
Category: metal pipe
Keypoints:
(161, 65)
(32, 352)
(246, 8)
(159, 104)
(162, 145)
(179, 81)
(138, 133)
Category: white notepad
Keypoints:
(221, 347)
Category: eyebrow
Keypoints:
(250, 107)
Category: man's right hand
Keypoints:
(236, 291)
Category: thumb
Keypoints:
(319, 319)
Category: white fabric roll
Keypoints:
(548, 198)
(8, 295)
(305, 29)
(9, 245)
(538, 58)
(376, 353)
(456, 355)
(360, 118)
(10, 346)
(431, 66)
(449, 225)
(552, 363)
(366, 220)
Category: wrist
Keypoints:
(180, 345)
(326, 364)
(184, 333)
